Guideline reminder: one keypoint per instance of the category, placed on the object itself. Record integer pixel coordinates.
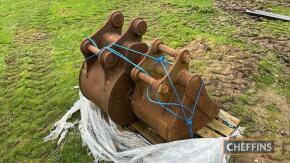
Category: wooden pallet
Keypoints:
(215, 128)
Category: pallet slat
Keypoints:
(228, 117)
(206, 132)
(220, 127)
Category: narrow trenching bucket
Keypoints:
(130, 81)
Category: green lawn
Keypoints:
(40, 61)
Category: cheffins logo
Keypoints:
(248, 146)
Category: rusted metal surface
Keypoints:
(105, 80)
(119, 89)
(167, 125)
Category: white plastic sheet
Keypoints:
(107, 142)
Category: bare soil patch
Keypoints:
(31, 35)
(249, 4)
(225, 69)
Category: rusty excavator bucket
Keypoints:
(130, 81)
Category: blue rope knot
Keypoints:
(161, 59)
(189, 122)
(189, 126)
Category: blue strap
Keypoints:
(162, 60)
(197, 98)
(173, 87)
(125, 59)
(162, 104)
(189, 120)
(95, 45)
(188, 123)
(126, 48)
(91, 57)
(92, 41)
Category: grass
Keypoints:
(270, 71)
(40, 61)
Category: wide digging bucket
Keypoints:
(128, 81)
(105, 78)
(192, 105)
